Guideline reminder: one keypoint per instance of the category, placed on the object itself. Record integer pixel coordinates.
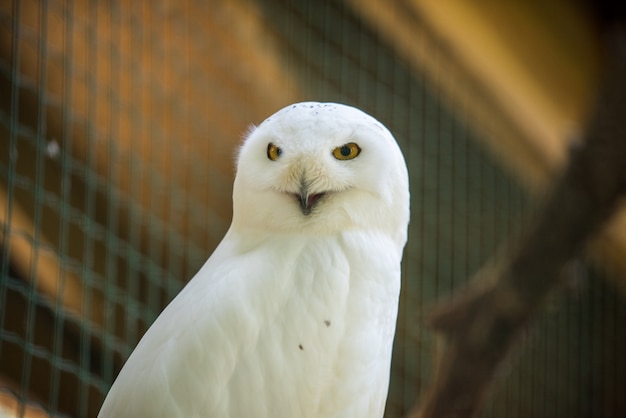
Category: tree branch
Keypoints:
(480, 326)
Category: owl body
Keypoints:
(294, 313)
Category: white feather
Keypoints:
(294, 314)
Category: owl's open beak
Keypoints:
(308, 201)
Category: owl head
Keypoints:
(321, 168)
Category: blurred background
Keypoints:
(119, 123)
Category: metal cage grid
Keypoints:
(118, 125)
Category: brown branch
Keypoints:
(480, 327)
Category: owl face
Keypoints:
(320, 168)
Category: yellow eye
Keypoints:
(273, 152)
(347, 151)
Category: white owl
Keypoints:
(294, 313)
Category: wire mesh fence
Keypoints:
(119, 123)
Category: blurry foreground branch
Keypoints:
(480, 326)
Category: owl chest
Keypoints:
(327, 329)
(321, 290)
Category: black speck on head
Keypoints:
(327, 322)
(300, 347)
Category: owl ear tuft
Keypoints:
(248, 132)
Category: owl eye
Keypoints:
(347, 151)
(273, 152)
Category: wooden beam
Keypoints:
(37, 262)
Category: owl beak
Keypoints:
(308, 201)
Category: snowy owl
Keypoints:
(294, 313)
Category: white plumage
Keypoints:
(294, 313)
